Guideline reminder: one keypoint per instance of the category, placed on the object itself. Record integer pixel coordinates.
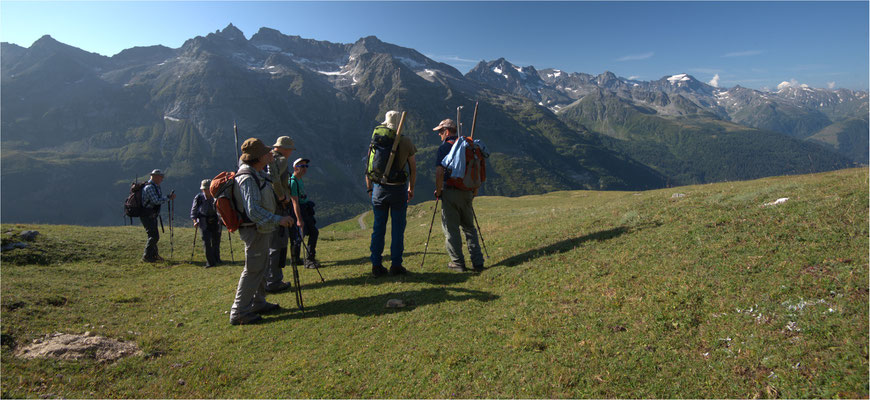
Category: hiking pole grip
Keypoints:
(393, 151)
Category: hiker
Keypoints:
(456, 207)
(306, 224)
(390, 200)
(279, 175)
(255, 197)
(205, 217)
(152, 199)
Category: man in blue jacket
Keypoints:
(456, 207)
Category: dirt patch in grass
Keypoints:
(66, 346)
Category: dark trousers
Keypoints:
(211, 242)
(311, 231)
(150, 224)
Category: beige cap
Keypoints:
(205, 184)
(391, 119)
(284, 142)
(252, 149)
(447, 123)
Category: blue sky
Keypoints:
(753, 44)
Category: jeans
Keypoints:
(389, 202)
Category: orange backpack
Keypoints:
(222, 189)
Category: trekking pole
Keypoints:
(298, 285)
(193, 248)
(434, 209)
(171, 233)
(230, 237)
(479, 233)
(308, 252)
(474, 120)
(458, 124)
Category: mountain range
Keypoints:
(78, 127)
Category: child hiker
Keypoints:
(304, 208)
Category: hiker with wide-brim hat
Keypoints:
(152, 199)
(457, 213)
(279, 174)
(205, 217)
(255, 198)
(390, 201)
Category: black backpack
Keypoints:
(133, 205)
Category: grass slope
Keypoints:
(588, 294)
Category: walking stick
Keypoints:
(474, 120)
(458, 124)
(230, 237)
(296, 283)
(193, 248)
(434, 209)
(479, 233)
(171, 234)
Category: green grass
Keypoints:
(588, 294)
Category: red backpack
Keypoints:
(475, 168)
(222, 189)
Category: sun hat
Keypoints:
(447, 123)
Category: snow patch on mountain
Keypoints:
(679, 78)
(269, 48)
(497, 70)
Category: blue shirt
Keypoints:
(443, 150)
(151, 196)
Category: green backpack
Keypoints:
(379, 155)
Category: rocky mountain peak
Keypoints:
(231, 33)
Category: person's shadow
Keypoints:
(434, 278)
(562, 246)
(376, 304)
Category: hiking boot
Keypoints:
(478, 268)
(246, 319)
(148, 260)
(279, 287)
(158, 258)
(456, 267)
(379, 270)
(311, 263)
(397, 270)
(265, 307)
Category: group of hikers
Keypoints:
(268, 194)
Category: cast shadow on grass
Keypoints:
(435, 278)
(366, 261)
(563, 246)
(376, 305)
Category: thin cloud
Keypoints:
(452, 59)
(832, 85)
(746, 53)
(715, 81)
(705, 70)
(635, 57)
(633, 78)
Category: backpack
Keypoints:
(133, 205)
(379, 155)
(475, 168)
(221, 189)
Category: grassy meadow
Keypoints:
(688, 292)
